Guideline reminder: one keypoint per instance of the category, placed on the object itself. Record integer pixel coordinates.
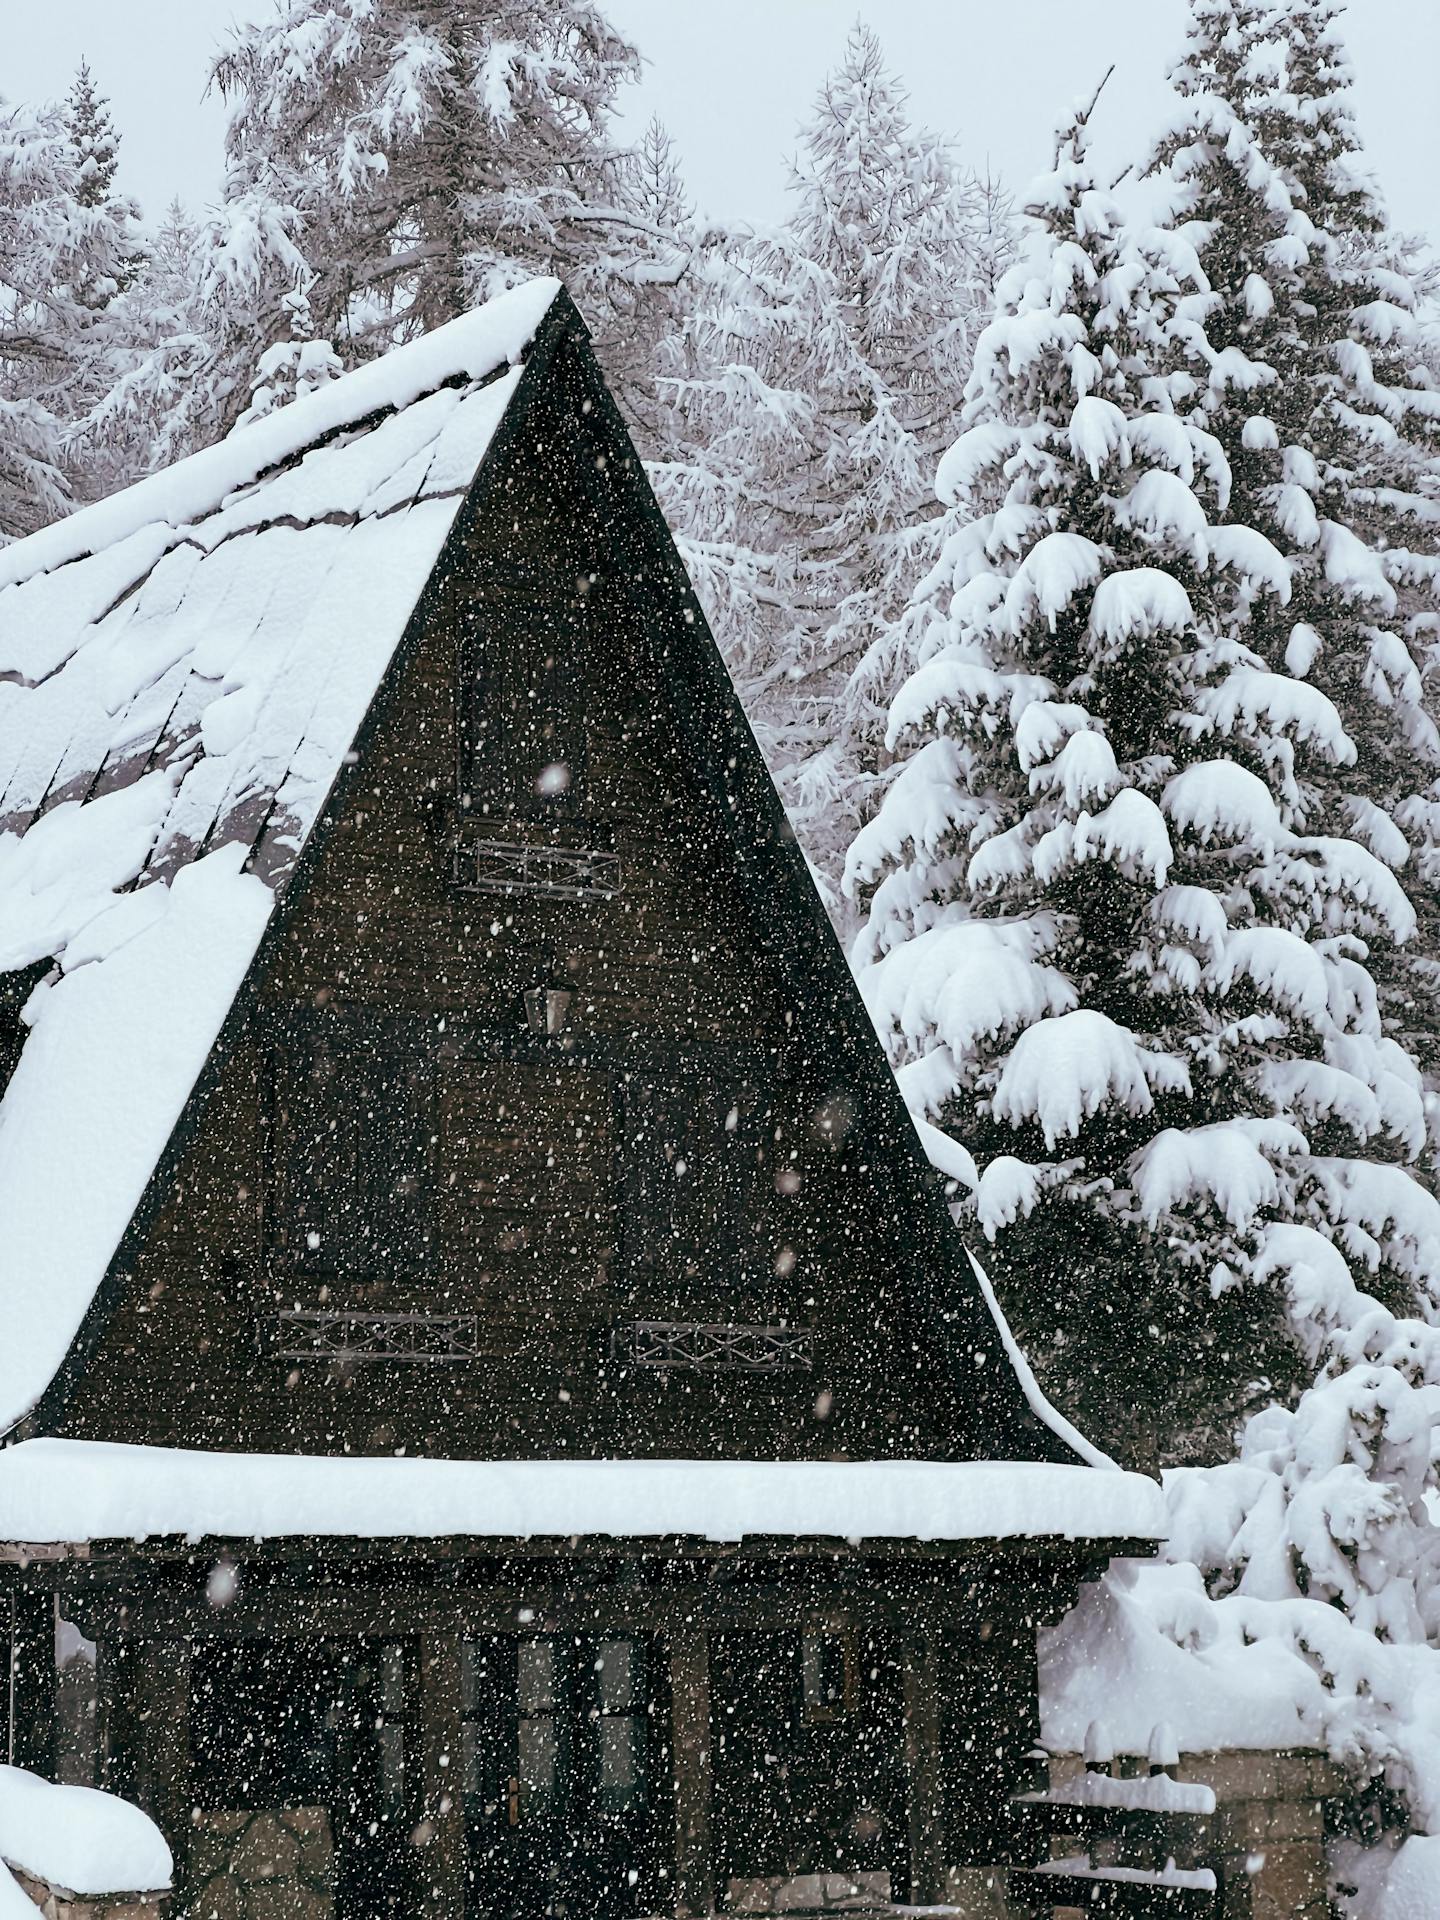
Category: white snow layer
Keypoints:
(471, 347)
(75, 1491)
(183, 668)
(75, 1838)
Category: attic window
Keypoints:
(350, 1162)
(522, 708)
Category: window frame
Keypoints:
(499, 634)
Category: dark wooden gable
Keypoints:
(694, 1221)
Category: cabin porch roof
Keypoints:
(74, 1491)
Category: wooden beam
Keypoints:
(925, 1799)
(442, 1856)
(30, 1691)
(116, 1684)
(364, 1611)
(688, 1645)
(161, 1761)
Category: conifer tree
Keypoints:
(1309, 375)
(636, 313)
(1116, 959)
(100, 454)
(292, 367)
(95, 147)
(163, 327)
(65, 241)
(393, 163)
(814, 383)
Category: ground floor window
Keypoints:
(564, 1756)
(809, 1755)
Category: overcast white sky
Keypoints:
(733, 79)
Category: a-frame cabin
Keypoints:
(490, 1386)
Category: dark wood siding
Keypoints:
(681, 1152)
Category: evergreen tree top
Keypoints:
(93, 138)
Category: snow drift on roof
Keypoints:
(183, 668)
(75, 1490)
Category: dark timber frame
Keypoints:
(201, 1335)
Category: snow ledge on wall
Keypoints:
(75, 1491)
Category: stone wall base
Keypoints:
(1268, 1836)
(278, 1864)
(809, 1893)
(56, 1903)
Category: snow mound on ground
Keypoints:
(1147, 1645)
(1390, 1882)
(76, 1838)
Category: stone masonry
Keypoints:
(278, 1864)
(1267, 1841)
(55, 1903)
(810, 1893)
(1270, 1828)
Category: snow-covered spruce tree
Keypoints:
(1308, 363)
(639, 309)
(101, 453)
(815, 383)
(1115, 963)
(291, 367)
(162, 326)
(95, 150)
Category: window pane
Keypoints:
(537, 1760)
(615, 1668)
(470, 1779)
(392, 1766)
(825, 1672)
(535, 1676)
(392, 1678)
(619, 1763)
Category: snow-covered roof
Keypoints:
(183, 669)
(75, 1491)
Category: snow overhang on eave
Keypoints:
(73, 1492)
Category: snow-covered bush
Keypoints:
(74, 1837)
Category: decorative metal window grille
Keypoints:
(558, 873)
(426, 1339)
(712, 1349)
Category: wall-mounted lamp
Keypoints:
(546, 1008)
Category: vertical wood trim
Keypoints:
(689, 1653)
(161, 1758)
(114, 1673)
(442, 1858)
(30, 1703)
(925, 1810)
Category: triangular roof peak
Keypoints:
(473, 348)
(183, 668)
(186, 672)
